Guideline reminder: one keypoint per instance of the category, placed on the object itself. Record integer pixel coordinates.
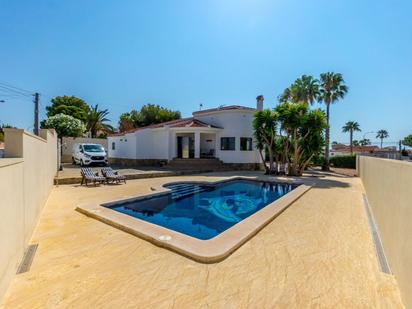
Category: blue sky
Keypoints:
(123, 54)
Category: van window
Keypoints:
(113, 146)
(93, 148)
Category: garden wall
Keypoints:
(388, 186)
(26, 179)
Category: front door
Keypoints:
(185, 147)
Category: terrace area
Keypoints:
(318, 252)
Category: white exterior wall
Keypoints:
(152, 144)
(235, 123)
(125, 146)
(206, 146)
(172, 145)
(142, 144)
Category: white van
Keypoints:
(86, 154)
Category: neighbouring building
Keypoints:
(223, 133)
(344, 150)
(369, 150)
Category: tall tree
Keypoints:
(97, 121)
(149, 114)
(381, 134)
(407, 141)
(69, 105)
(350, 127)
(365, 142)
(3, 126)
(64, 125)
(126, 122)
(153, 114)
(332, 89)
(304, 138)
(304, 90)
(264, 127)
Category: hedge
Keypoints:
(343, 161)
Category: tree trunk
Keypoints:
(270, 160)
(294, 167)
(381, 142)
(264, 161)
(325, 166)
(351, 141)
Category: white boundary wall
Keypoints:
(388, 186)
(26, 179)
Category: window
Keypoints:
(93, 148)
(113, 146)
(246, 143)
(227, 143)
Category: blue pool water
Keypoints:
(205, 211)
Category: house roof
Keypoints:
(192, 123)
(225, 108)
(178, 123)
(356, 149)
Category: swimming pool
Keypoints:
(205, 221)
(204, 211)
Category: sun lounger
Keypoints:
(112, 175)
(90, 176)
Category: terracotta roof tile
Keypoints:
(179, 123)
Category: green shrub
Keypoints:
(405, 153)
(343, 161)
(318, 160)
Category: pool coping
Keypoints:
(212, 250)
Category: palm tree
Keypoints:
(365, 142)
(332, 88)
(381, 134)
(97, 121)
(350, 127)
(304, 90)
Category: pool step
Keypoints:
(183, 190)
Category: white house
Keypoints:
(224, 133)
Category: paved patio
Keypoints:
(318, 253)
(71, 173)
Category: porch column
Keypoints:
(197, 144)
